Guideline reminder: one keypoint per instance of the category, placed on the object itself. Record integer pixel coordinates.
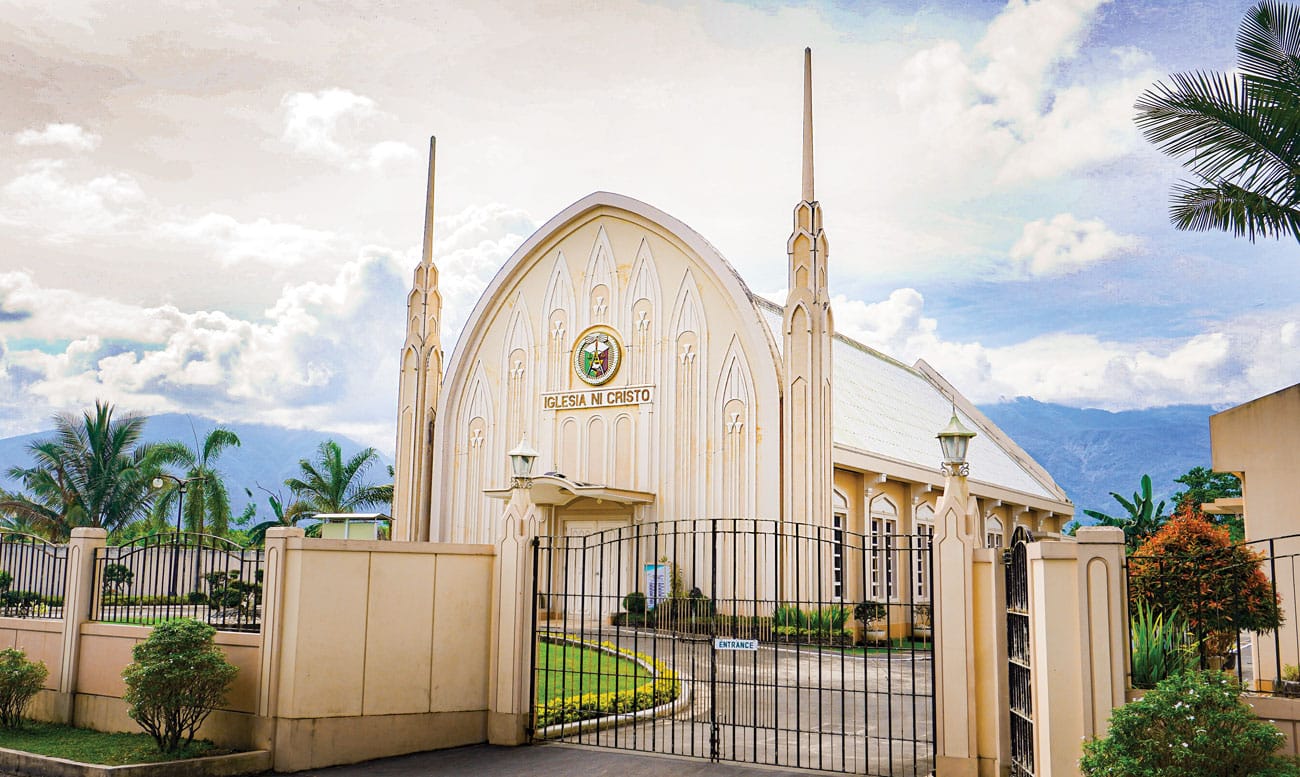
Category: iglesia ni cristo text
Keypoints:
(657, 387)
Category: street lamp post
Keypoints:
(181, 485)
(521, 464)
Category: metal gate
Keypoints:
(738, 640)
(1019, 679)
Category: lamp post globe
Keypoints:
(522, 458)
(954, 440)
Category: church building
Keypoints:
(655, 386)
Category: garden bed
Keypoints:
(53, 750)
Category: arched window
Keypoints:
(884, 530)
(839, 517)
(992, 532)
(924, 530)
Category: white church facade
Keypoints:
(657, 387)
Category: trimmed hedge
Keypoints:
(571, 709)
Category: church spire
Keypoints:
(806, 359)
(807, 127)
(420, 382)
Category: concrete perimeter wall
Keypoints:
(368, 649)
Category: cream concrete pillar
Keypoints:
(956, 750)
(77, 593)
(1102, 600)
(993, 740)
(511, 643)
(275, 582)
(1056, 657)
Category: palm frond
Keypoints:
(1233, 209)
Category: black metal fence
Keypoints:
(1232, 608)
(742, 640)
(179, 575)
(33, 575)
(1019, 661)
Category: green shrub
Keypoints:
(19, 604)
(1193, 723)
(867, 612)
(1161, 645)
(6, 580)
(196, 597)
(176, 680)
(20, 681)
(634, 603)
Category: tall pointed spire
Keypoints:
(807, 127)
(420, 383)
(806, 467)
(426, 257)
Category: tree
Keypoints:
(1144, 516)
(20, 681)
(1204, 486)
(284, 515)
(177, 678)
(1191, 567)
(207, 503)
(94, 472)
(1239, 133)
(331, 485)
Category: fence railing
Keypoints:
(179, 575)
(1235, 608)
(33, 574)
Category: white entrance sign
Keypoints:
(615, 397)
(656, 584)
(735, 644)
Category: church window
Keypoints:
(924, 543)
(884, 530)
(992, 532)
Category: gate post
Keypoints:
(509, 707)
(78, 590)
(956, 748)
(1103, 601)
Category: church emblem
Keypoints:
(596, 356)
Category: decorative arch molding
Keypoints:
(557, 306)
(839, 502)
(475, 460)
(642, 314)
(600, 284)
(517, 372)
(736, 430)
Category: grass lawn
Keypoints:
(569, 670)
(895, 646)
(95, 747)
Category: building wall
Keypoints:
(707, 442)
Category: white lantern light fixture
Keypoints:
(521, 464)
(954, 440)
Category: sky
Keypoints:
(216, 208)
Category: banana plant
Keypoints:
(1144, 517)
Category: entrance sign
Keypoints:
(596, 356)
(568, 400)
(656, 584)
(735, 644)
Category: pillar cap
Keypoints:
(89, 533)
(284, 532)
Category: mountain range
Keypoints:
(1089, 452)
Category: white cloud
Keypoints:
(1065, 244)
(324, 125)
(70, 135)
(1230, 361)
(469, 248)
(44, 199)
(262, 241)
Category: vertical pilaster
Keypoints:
(277, 584)
(956, 746)
(77, 594)
(509, 707)
(1103, 623)
(989, 612)
(1055, 657)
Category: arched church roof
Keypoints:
(711, 259)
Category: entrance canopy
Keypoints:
(555, 489)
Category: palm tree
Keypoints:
(207, 503)
(331, 485)
(93, 472)
(285, 515)
(1240, 134)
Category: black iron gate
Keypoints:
(1019, 678)
(738, 640)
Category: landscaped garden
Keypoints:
(581, 680)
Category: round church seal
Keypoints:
(596, 356)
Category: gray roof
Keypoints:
(886, 408)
